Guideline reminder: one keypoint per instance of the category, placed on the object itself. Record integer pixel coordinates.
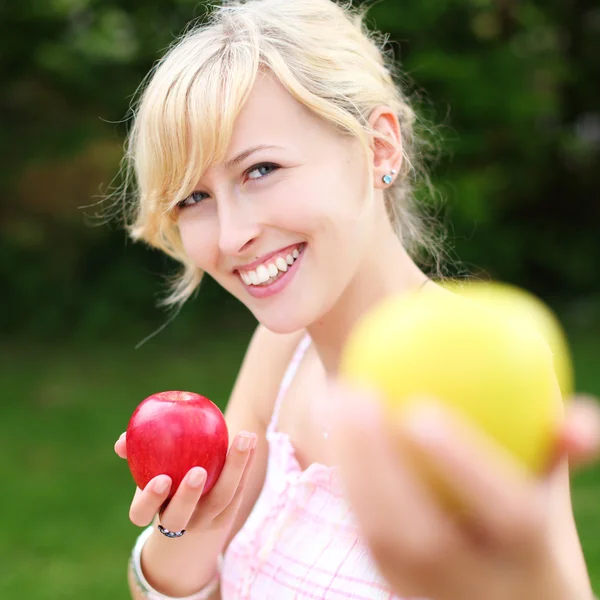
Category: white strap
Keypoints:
(287, 379)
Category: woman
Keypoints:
(273, 151)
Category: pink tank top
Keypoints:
(300, 540)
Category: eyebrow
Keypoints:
(234, 162)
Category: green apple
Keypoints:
(493, 369)
(527, 309)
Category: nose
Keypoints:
(238, 228)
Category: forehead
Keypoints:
(272, 116)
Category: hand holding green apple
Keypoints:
(452, 442)
(479, 353)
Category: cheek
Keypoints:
(199, 242)
(337, 217)
(317, 202)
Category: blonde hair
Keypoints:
(322, 54)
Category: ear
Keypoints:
(386, 146)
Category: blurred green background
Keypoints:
(512, 87)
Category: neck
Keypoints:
(387, 270)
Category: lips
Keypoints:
(278, 283)
(269, 258)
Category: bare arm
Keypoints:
(180, 567)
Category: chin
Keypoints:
(283, 324)
(301, 314)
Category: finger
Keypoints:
(580, 437)
(147, 502)
(233, 506)
(496, 496)
(219, 500)
(121, 446)
(396, 513)
(178, 512)
(229, 479)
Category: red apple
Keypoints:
(171, 432)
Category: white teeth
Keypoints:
(263, 274)
(281, 264)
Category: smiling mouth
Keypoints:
(270, 271)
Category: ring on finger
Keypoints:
(167, 532)
(170, 534)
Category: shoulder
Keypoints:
(262, 370)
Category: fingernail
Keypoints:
(243, 442)
(196, 477)
(160, 487)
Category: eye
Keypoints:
(261, 170)
(193, 198)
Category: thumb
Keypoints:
(579, 438)
(121, 446)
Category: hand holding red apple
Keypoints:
(173, 432)
(176, 447)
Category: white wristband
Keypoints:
(149, 592)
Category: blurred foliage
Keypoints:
(511, 85)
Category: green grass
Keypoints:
(65, 530)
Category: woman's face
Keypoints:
(285, 207)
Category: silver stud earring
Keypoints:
(387, 179)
